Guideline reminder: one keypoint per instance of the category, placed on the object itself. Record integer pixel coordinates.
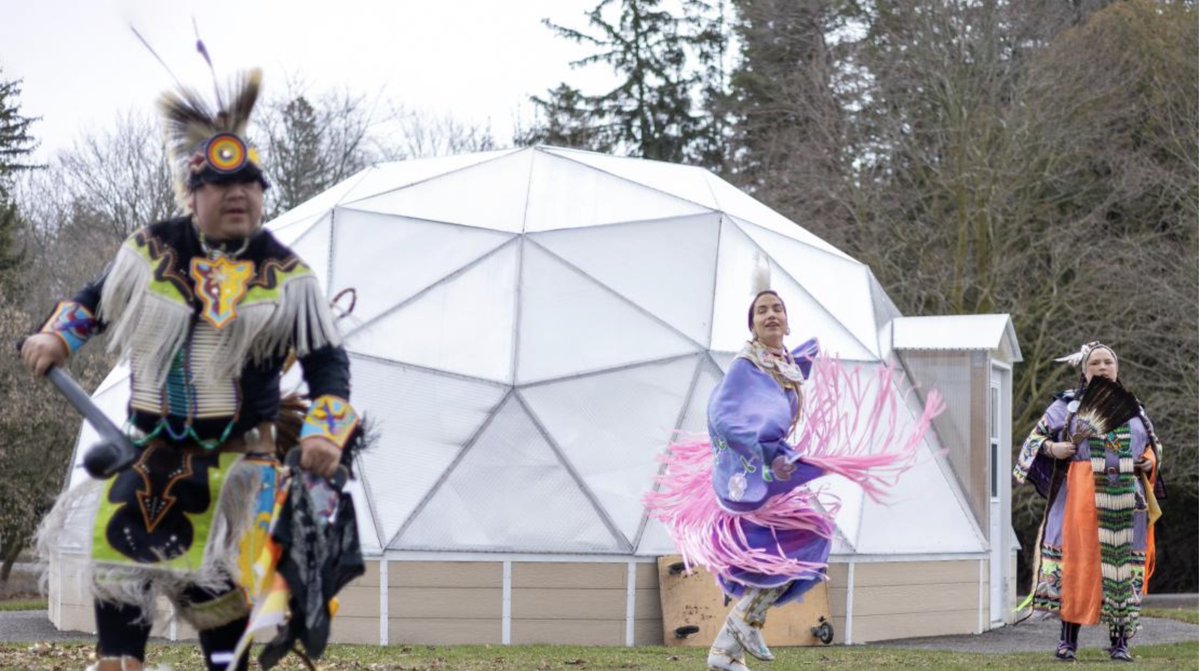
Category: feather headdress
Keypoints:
(760, 280)
(1105, 406)
(192, 127)
(1079, 359)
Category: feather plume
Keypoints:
(760, 281)
(189, 119)
(1105, 406)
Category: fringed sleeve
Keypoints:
(1032, 464)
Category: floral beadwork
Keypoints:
(71, 322)
(332, 418)
(737, 486)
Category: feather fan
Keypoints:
(1105, 405)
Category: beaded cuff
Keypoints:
(72, 323)
(332, 418)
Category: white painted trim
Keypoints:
(848, 639)
(1000, 364)
(506, 606)
(877, 559)
(982, 569)
(630, 602)
(173, 629)
(433, 555)
(383, 601)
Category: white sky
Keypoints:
(478, 60)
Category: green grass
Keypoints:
(23, 604)
(44, 657)
(1189, 616)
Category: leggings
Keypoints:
(123, 631)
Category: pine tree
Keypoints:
(15, 146)
(652, 112)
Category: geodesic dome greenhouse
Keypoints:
(533, 325)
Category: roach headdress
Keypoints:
(206, 145)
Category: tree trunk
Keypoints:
(10, 557)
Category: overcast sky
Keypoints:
(479, 60)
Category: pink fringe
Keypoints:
(709, 536)
(839, 433)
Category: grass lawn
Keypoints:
(23, 604)
(47, 657)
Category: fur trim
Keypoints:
(153, 326)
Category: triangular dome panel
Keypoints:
(611, 427)
(683, 181)
(842, 287)
(510, 492)
(568, 194)
(734, 202)
(462, 325)
(570, 324)
(290, 232)
(695, 418)
(315, 207)
(923, 500)
(389, 259)
(666, 266)
(313, 247)
(488, 195)
(368, 531)
(656, 542)
(422, 420)
(735, 268)
(385, 177)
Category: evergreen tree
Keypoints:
(652, 111)
(15, 146)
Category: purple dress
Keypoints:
(749, 417)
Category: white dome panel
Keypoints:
(841, 287)
(387, 177)
(665, 266)
(568, 194)
(734, 202)
(611, 427)
(313, 248)
(487, 195)
(317, 206)
(570, 324)
(686, 182)
(806, 318)
(509, 492)
(462, 325)
(414, 253)
(422, 421)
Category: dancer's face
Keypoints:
(1101, 362)
(770, 320)
(228, 211)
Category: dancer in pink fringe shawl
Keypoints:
(739, 507)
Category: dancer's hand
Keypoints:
(1060, 450)
(1144, 466)
(319, 456)
(41, 351)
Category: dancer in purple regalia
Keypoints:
(738, 504)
